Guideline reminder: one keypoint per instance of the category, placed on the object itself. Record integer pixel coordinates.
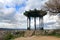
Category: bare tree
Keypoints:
(53, 5)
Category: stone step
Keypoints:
(28, 33)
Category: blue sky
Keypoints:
(11, 12)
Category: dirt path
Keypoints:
(38, 38)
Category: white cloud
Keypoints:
(11, 17)
(31, 4)
(9, 25)
(6, 11)
(52, 21)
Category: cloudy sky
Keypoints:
(11, 12)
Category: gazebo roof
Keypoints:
(35, 13)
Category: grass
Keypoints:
(53, 34)
(47, 34)
(8, 37)
(11, 36)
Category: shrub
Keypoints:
(8, 36)
(19, 34)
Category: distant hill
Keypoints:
(11, 29)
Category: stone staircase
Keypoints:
(28, 33)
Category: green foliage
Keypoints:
(52, 34)
(19, 34)
(8, 37)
